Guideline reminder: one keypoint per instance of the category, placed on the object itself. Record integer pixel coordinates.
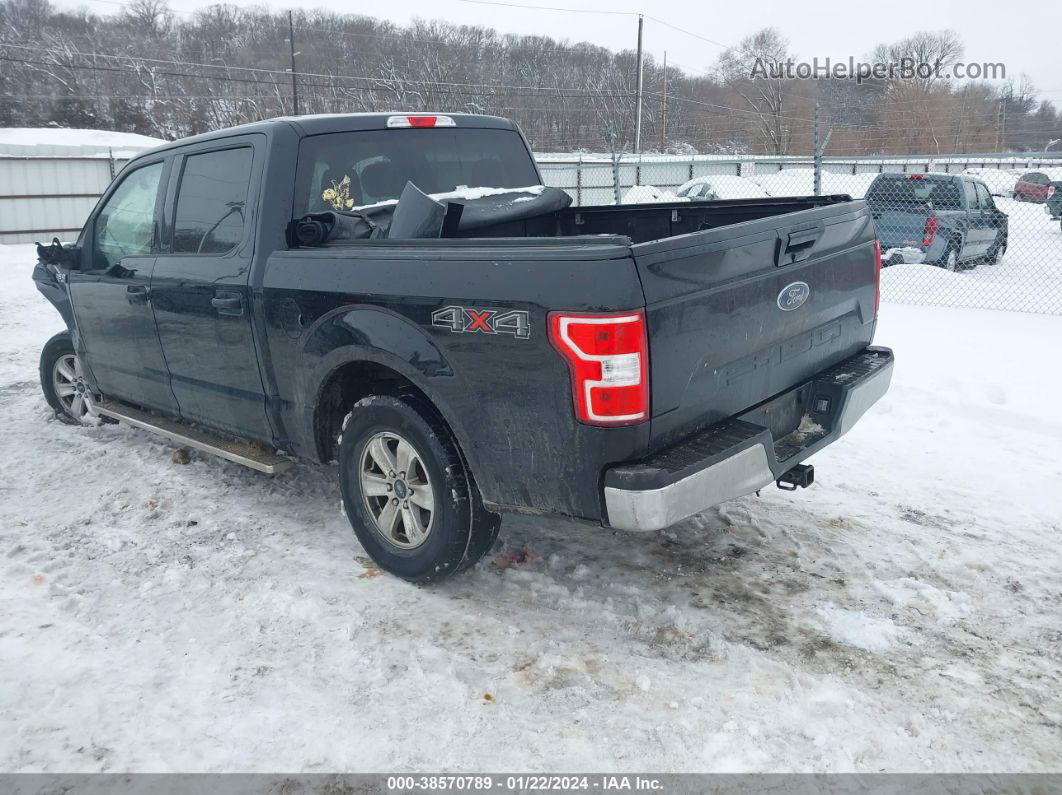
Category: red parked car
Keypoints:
(1036, 186)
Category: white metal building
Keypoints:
(50, 179)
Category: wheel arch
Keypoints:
(356, 351)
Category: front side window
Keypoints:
(125, 227)
(340, 171)
(971, 194)
(211, 202)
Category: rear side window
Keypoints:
(905, 192)
(211, 202)
(340, 171)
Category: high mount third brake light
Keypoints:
(608, 355)
(932, 225)
(419, 121)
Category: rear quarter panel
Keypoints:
(507, 399)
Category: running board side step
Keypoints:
(245, 453)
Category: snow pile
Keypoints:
(649, 194)
(899, 615)
(801, 182)
(726, 186)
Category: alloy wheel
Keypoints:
(397, 490)
(68, 380)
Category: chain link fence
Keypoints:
(961, 230)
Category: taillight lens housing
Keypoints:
(932, 225)
(877, 276)
(608, 356)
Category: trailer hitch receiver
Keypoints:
(802, 476)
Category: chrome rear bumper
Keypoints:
(739, 456)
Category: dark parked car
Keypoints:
(1036, 186)
(462, 352)
(1053, 205)
(950, 220)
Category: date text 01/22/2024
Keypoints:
(521, 783)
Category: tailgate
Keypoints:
(741, 313)
(900, 228)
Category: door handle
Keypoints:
(227, 303)
(797, 245)
(136, 294)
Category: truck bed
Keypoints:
(641, 223)
(713, 275)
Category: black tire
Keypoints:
(461, 531)
(996, 252)
(952, 248)
(54, 349)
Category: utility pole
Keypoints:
(638, 112)
(663, 112)
(817, 157)
(820, 149)
(294, 80)
(1001, 125)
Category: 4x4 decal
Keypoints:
(467, 319)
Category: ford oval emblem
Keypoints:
(793, 296)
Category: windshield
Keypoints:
(353, 169)
(909, 193)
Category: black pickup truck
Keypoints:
(399, 293)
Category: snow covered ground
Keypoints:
(901, 614)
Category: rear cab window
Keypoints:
(913, 190)
(343, 171)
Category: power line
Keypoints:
(284, 72)
(550, 8)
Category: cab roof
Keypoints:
(335, 122)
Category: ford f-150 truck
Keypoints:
(399, 293)
(948, 220)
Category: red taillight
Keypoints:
(932, 225)
(608, 355)
(877, 276)
(916, 176)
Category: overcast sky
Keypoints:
(1025, 35)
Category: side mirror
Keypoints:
(67, 257)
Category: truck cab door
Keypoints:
(109, 292)
(969, 221)
(990, 218)
(200, 286)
